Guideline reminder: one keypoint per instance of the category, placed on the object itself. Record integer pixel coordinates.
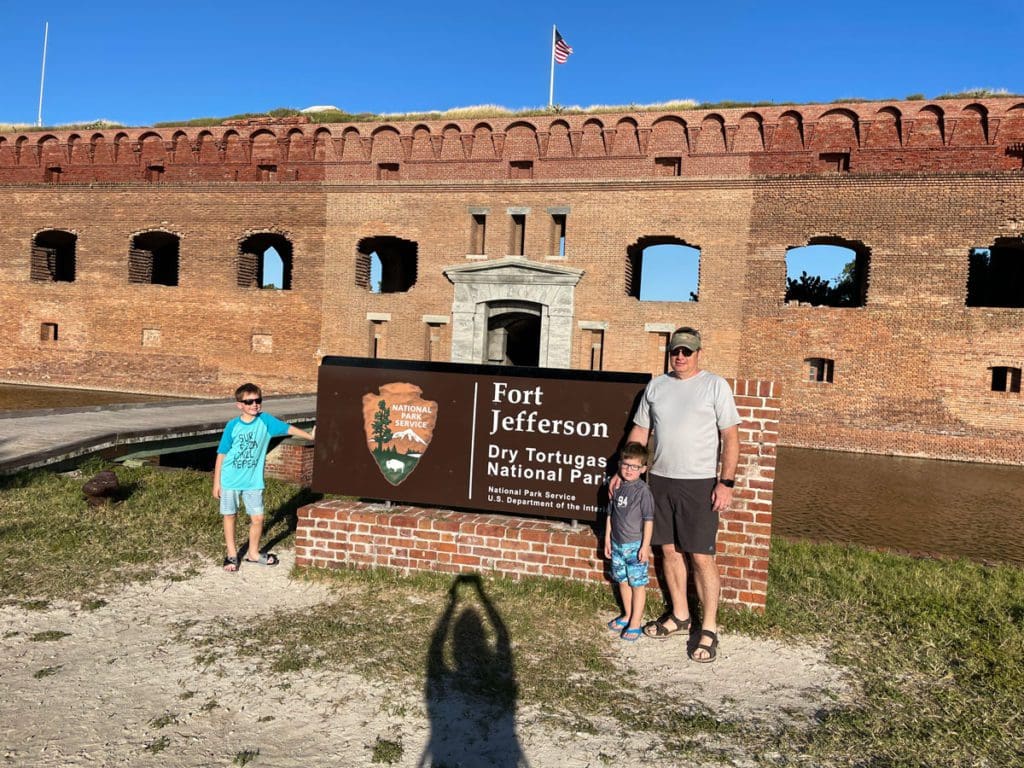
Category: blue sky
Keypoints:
(138, 63)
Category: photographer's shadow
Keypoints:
(471, 690)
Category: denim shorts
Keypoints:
(253, 501)
(626, 566)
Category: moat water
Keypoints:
(922, 506)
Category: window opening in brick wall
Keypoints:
(434, 341)
(398, 264)
(820, 369)
(265, 261)
(154, 173)
(478, 233)
(995, 275)
(593, 349)
(513, 333)
(668, 166)
(558, 221)
(378, 338)
(1005, 379)
(267, 172)
(53, 256)
(48, 332)
(838, 162)
(828, 272)
(520, 169)
(153, 259)
(52, 174)
(517, 241)
(388, 171)
(662, 269)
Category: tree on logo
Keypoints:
(382, 425)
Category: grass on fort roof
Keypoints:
(483, 111)
(936, 648)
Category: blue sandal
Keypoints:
(618, 624)
(631, 635)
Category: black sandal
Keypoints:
(659, 631)
(711, 647)
(231, 564)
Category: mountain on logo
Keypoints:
(410, 435)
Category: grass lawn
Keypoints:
(936, 647)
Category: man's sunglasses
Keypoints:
(252, 401)
(682, 351)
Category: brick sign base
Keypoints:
(347, 533)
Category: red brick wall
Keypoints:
(925, 183)
(291, 460)
(341, 533)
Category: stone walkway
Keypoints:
(31, 439)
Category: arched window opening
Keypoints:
(828, 273)
(153, 259)
(995, 275)
(53, 256)
(265, 261)
(386, 264)
(1005, 379)
(662, 269)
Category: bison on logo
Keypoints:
(399, 425)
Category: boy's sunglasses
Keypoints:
(253, 401)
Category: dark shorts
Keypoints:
(684, 514)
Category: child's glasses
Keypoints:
(253, 401)
(634, 467)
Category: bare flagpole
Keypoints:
(42, 77)
(551, 92)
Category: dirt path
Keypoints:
(120, 686)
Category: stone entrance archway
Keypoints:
(513, 298)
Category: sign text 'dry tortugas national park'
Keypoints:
(505, 439)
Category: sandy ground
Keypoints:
(122, 687)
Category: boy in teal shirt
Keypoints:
(238, 474)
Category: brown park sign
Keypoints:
(526, 441)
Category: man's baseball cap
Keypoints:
(688, 338)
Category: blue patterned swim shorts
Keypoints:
(626, 566)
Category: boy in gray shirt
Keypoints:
(627, 539)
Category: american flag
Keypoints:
(562, 48)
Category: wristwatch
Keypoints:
(727, 483)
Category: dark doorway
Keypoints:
(513, 336)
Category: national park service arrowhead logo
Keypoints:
(399, 425)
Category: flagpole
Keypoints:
(551, 92)
(42, 77)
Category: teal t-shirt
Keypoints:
(245, 450)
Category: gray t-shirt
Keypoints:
(685, 417)
(628, 507)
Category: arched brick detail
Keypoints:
(559, 141)
(78, 150)
(749, 134)
(626, 140)
(298, 147)
(712, 135)
(789, 134)
(50, 152)
(837, 129)
(928, 129)
(152, 150)
(387, 146)
(521, 142)
(483, 142)
(452, 146)
(352, 147)
(668, 137)
(208, 148)
(422, 148)
(971, 127)
(885, 130)
(592, 140)
(323, 146)
(265, 148)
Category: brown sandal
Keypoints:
(659, 631)
(711, 647)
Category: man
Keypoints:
(690, 412)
